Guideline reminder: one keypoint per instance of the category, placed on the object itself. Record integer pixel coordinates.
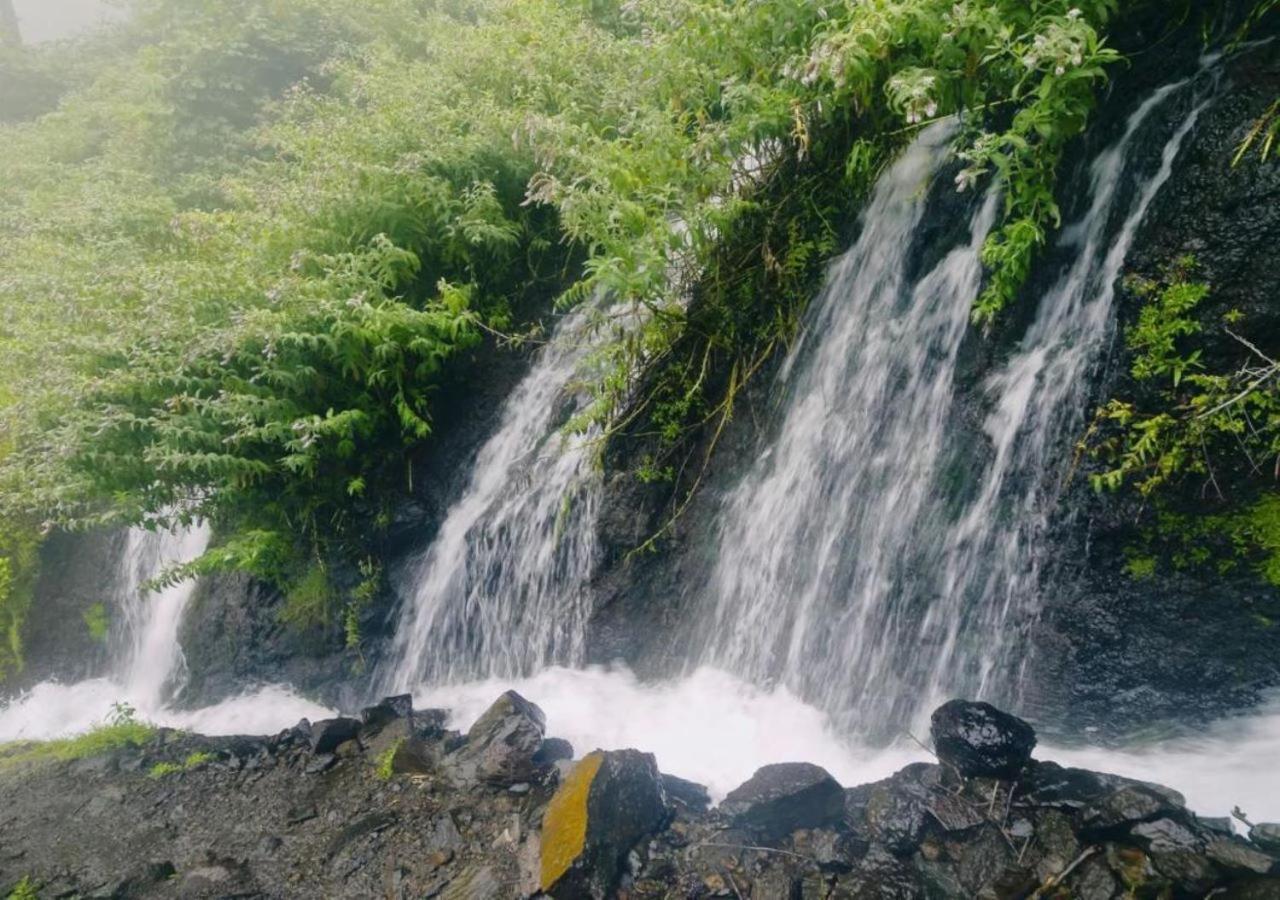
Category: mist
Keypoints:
(49, 20)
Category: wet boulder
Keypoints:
(689, 794)
(552, 751)
(1267, 836)
(780, 798)
(501, 746)
(1236, 856)
(976, 739)
(607, 804)
(896, 808)
(390, 709)
(327, 734)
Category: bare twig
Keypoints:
(1054, 880)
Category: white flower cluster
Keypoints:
(911, 91)
(1061, 46)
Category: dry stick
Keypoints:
(800, 856)
(733, 884)
(1054, 880)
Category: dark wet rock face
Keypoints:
(976, 739)
(781, 798)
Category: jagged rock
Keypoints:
(502, 744)
(878, 876)
(327, 734)
(552, 751)
(833, 851)
(374, 718)
(608, 803)
(1262, 889)
(321, 762)
(1237, 856)
(780, 798)
(1130, 803)
(976, 739)
(1266, 835)
(693, 795)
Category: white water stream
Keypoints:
(147, 670)
(873, 560)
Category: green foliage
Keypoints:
(1185, 419)
(194, 761)
(26, 889)
(19, 545)
(99, 740)
(386, 761)
(1187, 416)
(97, 622)
(263, 236)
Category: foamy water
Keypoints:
(52, 710)
(717, 730)
(709, 727)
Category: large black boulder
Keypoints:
(978, 740)
(780, 798)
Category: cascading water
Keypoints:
(147, 668)
(501, 591)
(149, 663)
(850, 569)
(849, 575)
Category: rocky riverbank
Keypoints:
(393, 804)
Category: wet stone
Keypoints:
(1267, 836)
(389, 709)
(328, 734)
(976, 739)
(687, 793)
(1238, 856)
(780, 798)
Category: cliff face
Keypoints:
(1118, 648)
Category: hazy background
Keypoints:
(47, 20)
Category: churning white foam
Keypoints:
(52, 710)
(715, 729)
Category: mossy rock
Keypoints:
(607, 803)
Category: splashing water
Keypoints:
(501, 591)
(717, 729)
(851, 567)
(148, 669)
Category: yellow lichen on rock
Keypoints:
(564, 826)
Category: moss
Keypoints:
(564, 826)
(1140, 566)
(386, 761)
(25, 890)
(194, 761)
(97, 621)
(102, 739)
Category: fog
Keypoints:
(47, 20)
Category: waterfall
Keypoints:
(502, 589)
(147, 669)
(148, 660)
(857, 565)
